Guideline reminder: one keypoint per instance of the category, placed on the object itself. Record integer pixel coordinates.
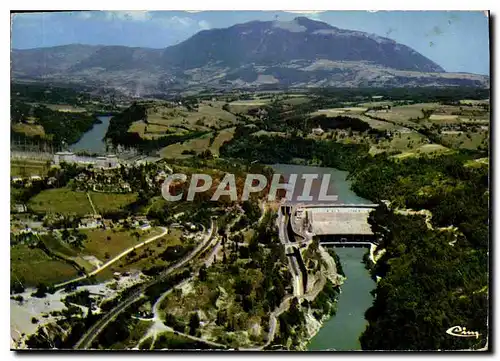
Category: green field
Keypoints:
(34, 266)
(100, 246)
(424, 149)
(67, 201)
(64, 250)
(28, 129)
(66, 108)
(466, 140)
(27, 168)
(60, 200)
(409, 144)
(243, 106)
(223, 136)
(404, 114)
(163, 120)
(197, 144)
(109, 202)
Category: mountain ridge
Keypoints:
(297, 53)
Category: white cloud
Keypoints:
(138, 15)
(131, 15)
(312, 14)
(183, 23)
(203, 24)
(178, 21)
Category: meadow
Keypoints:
(162, 120)
(66, 201)
(33, 266)
(61, 200)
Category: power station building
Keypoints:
(106, 162)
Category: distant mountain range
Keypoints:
(297, 53)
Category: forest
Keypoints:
(428, 285)
(277, 149)
(58, 126)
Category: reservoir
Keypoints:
(342, 331)
(93, 140)
(339, 185)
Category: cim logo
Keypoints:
(459, 331)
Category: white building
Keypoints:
(318, 131)
(109, 161)
(67, 157)
(145, 227)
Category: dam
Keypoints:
(334, 224)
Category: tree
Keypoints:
(194, 323)
(41, 291)
(65, 234)
(206, 154)
(203, 273)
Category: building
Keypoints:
(145, 227)
(104, 162)
(20, 208)
(64, 157)
(318, 131)
(111, 161)
(89, 222)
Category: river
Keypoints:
(93, 140)
(342, 331)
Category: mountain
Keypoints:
(297, 53)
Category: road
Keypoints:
(113, 260)
(94, 331)
(284, 224)
(92, 204)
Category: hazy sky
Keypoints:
(458, 40)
